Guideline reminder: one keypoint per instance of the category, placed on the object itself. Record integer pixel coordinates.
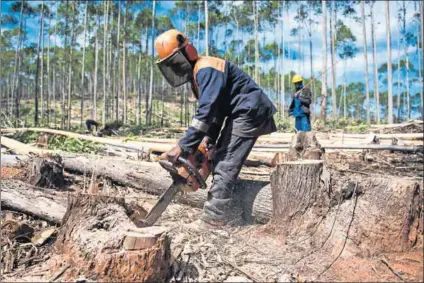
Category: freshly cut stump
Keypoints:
(92, 240)
(328, 213)
(296, 188)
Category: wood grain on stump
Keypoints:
(91, 240)
(296, 187)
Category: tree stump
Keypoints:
(94, 241)
(304, 145)
(296, 187)
(45, 171)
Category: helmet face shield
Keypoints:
(176, 69)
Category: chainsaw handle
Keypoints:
(193, 170)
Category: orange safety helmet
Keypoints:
(173, 40)
(176, 57)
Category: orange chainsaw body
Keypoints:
(201, 159)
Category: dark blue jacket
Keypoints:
(226, 91)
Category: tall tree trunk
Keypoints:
(419, 55)
(324, 58)
(117, 65)
(37, 72)
(389, 64)
(96, 67)
(364, 33)
(106, 12)
(333, 69)
(42, 65)
(152, 63)
(1, 77)
(256, 25)
(139, 89)
(405, 46)
(375, 64)
(15, 84)
(69, 110)
(54, 76)
(206, 28)
(399, 92)
(83, 64)
(49, 91)
(283, 53)
(124, 75)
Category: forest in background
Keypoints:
(95, 59)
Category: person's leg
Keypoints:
(231, 153)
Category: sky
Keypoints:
(355, 69)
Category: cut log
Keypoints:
(91, 239)
(45, 204)
(255, 196)
(151, 178)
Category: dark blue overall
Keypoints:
(226, 93)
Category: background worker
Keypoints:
(225, 93)
(299, 106)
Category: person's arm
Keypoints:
(305, 97)
(210, 82)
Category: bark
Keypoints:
(333, 69)
(405, 48)
(295, 188)
(324, 58)
(327, 208)
(83, 65)
(152, 58)
(364, 33)
(91, 240)
(45, 204)
(106, 10)
(49, 89)
(151, 178)
(124, 67)
(256, 26)
(37, 72)
(42, 65)
(15, 85)
(96, 66)
(419, 56)
(389, 64)
(117, 55)
(375, 65)
(69, 109)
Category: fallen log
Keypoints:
(149, 177)
(45, 204)
(99, 240)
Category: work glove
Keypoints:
(172, 155)
(209, 146)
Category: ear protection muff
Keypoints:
(191, 52)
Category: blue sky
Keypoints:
(355, 67)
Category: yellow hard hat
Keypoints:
(296, 79)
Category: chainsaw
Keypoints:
(188, 175)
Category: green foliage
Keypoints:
(26, 137)
(73, 145)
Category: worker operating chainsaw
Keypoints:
(225, 93)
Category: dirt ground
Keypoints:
(239, 254)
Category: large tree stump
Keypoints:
(93, 240)
(297, 187)
(337, 213)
